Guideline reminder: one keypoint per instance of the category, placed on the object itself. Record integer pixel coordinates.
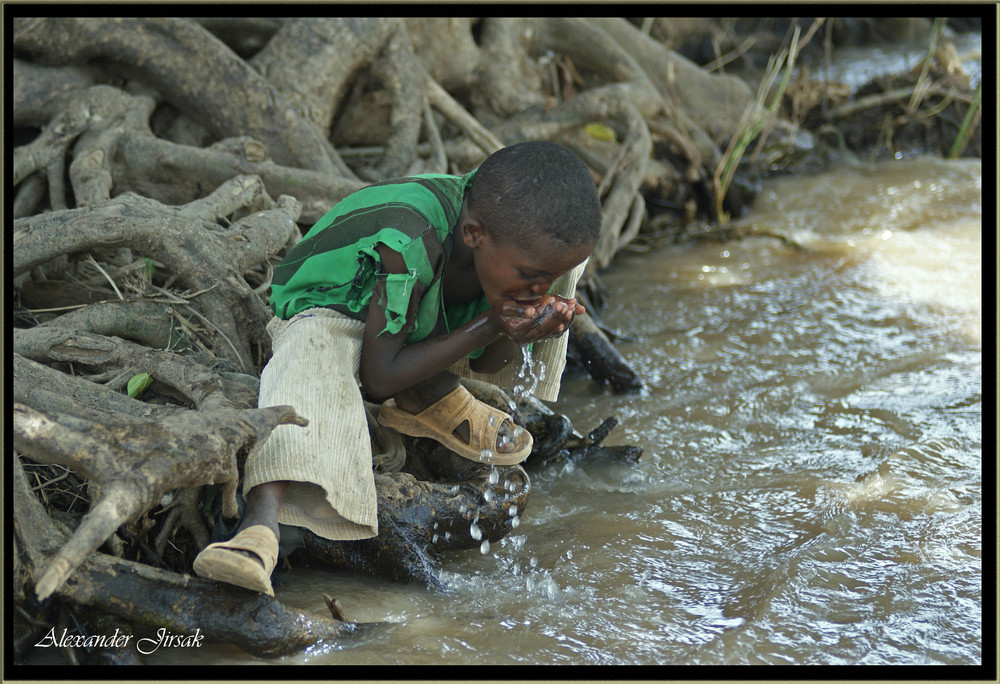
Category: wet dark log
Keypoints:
(102, 624)
(563, 443)
(550, 432)
(595, 453)
(418, 520)
(182, 604)
(28, 629)
(602, 360)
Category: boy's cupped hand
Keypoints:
(538, 319)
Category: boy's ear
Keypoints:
(472, 232)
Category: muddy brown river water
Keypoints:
(811, 485)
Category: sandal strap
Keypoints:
(459, 406)
(440, 420)
(256, 539)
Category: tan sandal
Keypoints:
(439, 420)
(223, 561)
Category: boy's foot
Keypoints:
(418, 398)
(246, 560)
(459, 421)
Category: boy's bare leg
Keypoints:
(418, 397)
(262, 504)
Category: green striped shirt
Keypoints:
(336, 265)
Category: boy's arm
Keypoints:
(388, 365)
(495, 356)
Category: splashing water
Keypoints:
(527, 377)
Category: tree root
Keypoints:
(135, 465)
(175, 174)
(182, 604)
(120, 360)
(194, 70)
(212, 263)
(149, 323)
(46, 389)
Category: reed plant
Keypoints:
(968, 126)
(762, 112)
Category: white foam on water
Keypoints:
(939, 265)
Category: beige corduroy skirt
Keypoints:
(328, 464)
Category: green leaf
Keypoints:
(149, 269)
(600, 132)
(138, 384)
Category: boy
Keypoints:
(400, 284)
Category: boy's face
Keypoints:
(521, 272)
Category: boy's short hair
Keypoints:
(536, 188)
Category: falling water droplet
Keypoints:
(484, 548)
(475, 532)
(434, 539)
(515, 521)
(486, 455)
(513, 511)
(494, 476)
